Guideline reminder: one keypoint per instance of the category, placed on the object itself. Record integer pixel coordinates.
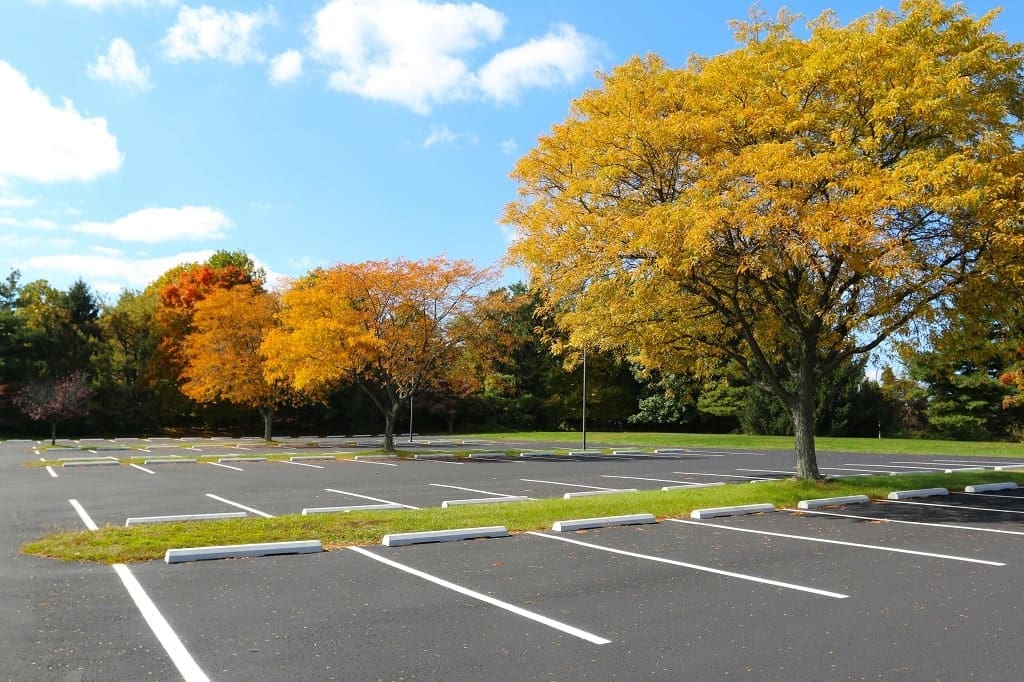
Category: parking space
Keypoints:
(884, 589)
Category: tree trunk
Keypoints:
(53, 433)
(803, 424)
(390, 417)
(268, 419)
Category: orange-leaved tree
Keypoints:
(783, 206)
(177, 292)
(222, 354)
(382, 325)
(181, 288)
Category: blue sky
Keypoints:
(136, 134)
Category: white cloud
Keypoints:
(560, 57)
(153, 225)
(402, 51)
(210, 33)
(285, 67)
(11, 201)
(116, 270)
(438, 134)
(508, 146)
(106, 251)
(31, 223)
(445, 135)
(118, 66)
(44, 143)
(104, 4)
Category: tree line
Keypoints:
(210, 348)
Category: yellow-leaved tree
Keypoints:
(222, 355)
(385, 326)
(785, 205)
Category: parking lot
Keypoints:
(911, 589)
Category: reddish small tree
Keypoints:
(56, 400)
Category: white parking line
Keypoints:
(49, 469)
(885, 519)
(841, 542)
(519, 611)
(257, 512)
(141, 468)
(471, 490)
(768, 471)
(84, 515)
(698, 473)
(301, 464)
(953, 506)
(972, 461)
(847, 468)
(1008, 497)
(367, 497)
(722, 453)
(179, 655)
(225, 466)
(366, 461)
(897, 466)
(657, 480)
(696, 567)
(569, 485)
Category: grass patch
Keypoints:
(892, 446)
(113, 544)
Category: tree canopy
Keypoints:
(385, 326)
(784, 206)
(222, 355)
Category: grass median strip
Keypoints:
(114, 544)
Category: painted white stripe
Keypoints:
(568, 485)
(49, 470)
(519, 611)
(954, 506)
(842, 543)
(728, 452)
(367, 497)
(657, 480)
(180, 656)
(698, 473)
(847, 468)
(301, 464)
(791, 472)
(84, 515)
(898, 466)
(696, 567)
(225, 466)
(971, 461)
(183, 661)
(471, 490)
(367, 461)
(885, 519)
(1008, 497)
(257, 512)
(141, 468)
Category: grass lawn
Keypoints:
(894, 446)
(114, 544)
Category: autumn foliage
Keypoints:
(222, 355)
(784, 206)
(382, 325)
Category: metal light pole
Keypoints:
(410, 416)
(584, 398)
